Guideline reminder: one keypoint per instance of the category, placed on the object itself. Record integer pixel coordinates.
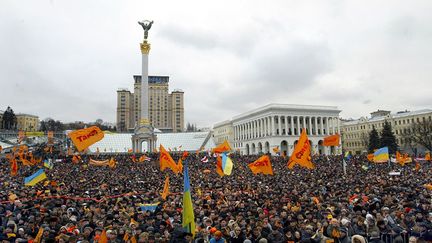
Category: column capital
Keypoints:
(145, 47)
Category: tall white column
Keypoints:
(292, 125)
(338, 125)
(242, 131)
(310, 125)
(327, 126)
(322, 125)
(268, 126)
(315, 125)
(286, 125)
(250, 130)
(334, 124)
(298, 125)
(253, 129)
(280, 125)
(273, 126)
(145, 49)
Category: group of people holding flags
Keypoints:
(217, 197)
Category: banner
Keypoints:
(262, 165)
(224, 147)
(83, 138)
(332, 140)
(301, 153)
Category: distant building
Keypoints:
(355, 133)
(223, 131)
(279, 126)
(1, 119)
(166, 110)
(26, 122)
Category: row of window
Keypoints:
(398, 122)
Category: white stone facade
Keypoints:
(223, 131)
(262, 129)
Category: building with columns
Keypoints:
(279, 125)
(355, 133)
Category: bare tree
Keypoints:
(420, 133)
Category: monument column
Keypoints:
(144, 131)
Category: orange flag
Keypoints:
(428, 186)
(219, 169)
(166, 160)
(112, 163)
(14, 167)
(165, 192)
(417, 166)
(262, 165)
(133, 239)
(83, 138)
(427, 156)
(332, 140)
(180, 165)
(370, 157)
(69, 152)
(76, 159)
(224, 147)
(276, 149)
(400, 159)
(301, 153)
(38, 237)
(103, 237)
(126, 237)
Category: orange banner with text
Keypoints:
(332, 140)
(83, 138)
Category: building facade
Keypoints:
(355, 134)
(28, 123)
(279, 125)
(223, 131)
(166, 110)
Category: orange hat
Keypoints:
(218, 233)
(213, 230)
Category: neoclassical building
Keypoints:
(355, 133)
(279, 125)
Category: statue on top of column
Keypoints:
(146, 25)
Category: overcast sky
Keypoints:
(66, 59)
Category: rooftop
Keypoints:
(189, 141)
(294, 107)
(391, 115)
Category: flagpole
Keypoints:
(344, 166)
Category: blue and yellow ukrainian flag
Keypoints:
(381, 155)
(48, 164)
(188, 218)
(35, 178)
(347, 155)
(149, 207)
(227, 164)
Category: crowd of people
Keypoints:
(79, 201)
